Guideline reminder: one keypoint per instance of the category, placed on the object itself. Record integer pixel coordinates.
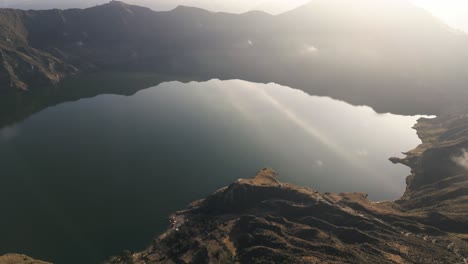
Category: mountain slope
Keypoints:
(438, 186)
(20, 63)
(262, 220)
(329, 48)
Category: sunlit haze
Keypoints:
(453, 12)
(335, 127)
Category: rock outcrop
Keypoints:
(262, 220)
(21, 64)
(19, 259)
(437, 189)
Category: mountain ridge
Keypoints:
(288, 49)
(262, 220)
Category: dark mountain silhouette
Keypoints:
(386, 54)
(380, 53)
(239, 6)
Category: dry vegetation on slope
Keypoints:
(19, 259)
(262, 220)
(20, 63)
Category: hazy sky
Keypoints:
(453, 12)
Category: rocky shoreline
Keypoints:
(261, 220)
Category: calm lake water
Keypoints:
(84, 180)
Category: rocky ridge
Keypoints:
(353, 56)
(20, 63)
(262, 220)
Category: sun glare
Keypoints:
(453, 12)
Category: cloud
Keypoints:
(462, 159)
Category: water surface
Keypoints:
(84, 180)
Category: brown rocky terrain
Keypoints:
(19, 259)
(437, 190)
(20, 63)
(262, 220)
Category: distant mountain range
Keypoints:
(386, 54)
(380, 53)
(238, 6)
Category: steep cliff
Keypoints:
(20, 63)
(438, 186)
(262, 220)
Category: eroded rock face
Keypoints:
(21, 64)
(19, 259)
(437, 189)
(262, 220)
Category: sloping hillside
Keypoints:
(262, 220)
(21, 64)
(362, 56)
